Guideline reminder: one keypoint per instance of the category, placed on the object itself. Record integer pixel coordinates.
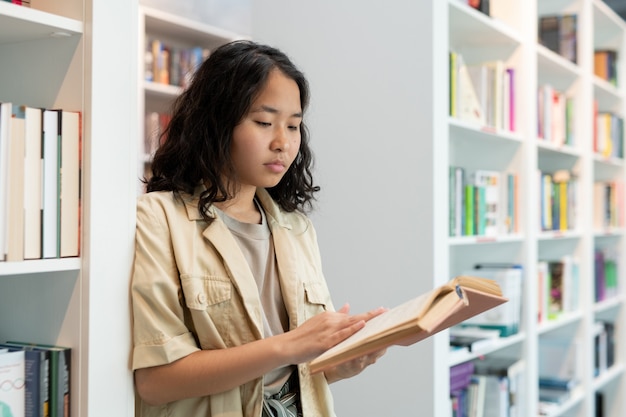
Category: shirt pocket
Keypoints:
(316, 299)
(210, 304)
(203, 292)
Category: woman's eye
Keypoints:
(264, 124)
(294, 128)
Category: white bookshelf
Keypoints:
(58, 55)
(173, 30)
(386, 93)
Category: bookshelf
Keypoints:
(58, 55)
(399, 155)
(174, 32)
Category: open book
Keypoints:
(417, 319)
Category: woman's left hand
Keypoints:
(353, 367)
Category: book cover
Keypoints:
(468, 104)
(417, 319)
(36, 368)
(50, 195)
(461, 375)
(70, 184)
(490, 217)
(15, 210)
(6, 109)
(453, 83)
(32, 182)
(59, 376)
(12, 381)
(472, 343)
(511, 99)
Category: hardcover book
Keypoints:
(417, 319)
(12, 394)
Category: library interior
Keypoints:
(493, 129)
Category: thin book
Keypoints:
(417, 319)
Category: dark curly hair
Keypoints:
(196, 145)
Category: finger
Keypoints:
(371, 314)
(345, 309)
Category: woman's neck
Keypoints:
(242, 207)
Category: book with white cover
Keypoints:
(15, 210)
(32, 183)
(5, 116)
(70, 184)
(469, 105)
(13, 380)
(51, 201)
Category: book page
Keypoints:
(384, 323)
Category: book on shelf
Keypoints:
(470, 343)
(59, 375)
(506, 317)
(456, 179)
(15, 210)
(50, 196)
(605, 274)
(599, 404)
(608, 204)
(558, 383)
(506, 376)
(562, 288)
(472, 339)
(460, 379)
(461, 376)
(558, 193)
(417, 319)
(25, 3)
(36, 369)
(603, 346)
(489, 202)
(605, 65)
(6, 112)
(555, 122)
(553, 396)
(12, 376)
(482, 202)
(170, 64)
(609, 135)
(465, 104)
(559, 33)
(32, 182)
(69, 193)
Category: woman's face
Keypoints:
(267, 140)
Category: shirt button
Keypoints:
(202, 298)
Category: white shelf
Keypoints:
(19, 24)
(496, 345)
(41, 266)
(185, 30)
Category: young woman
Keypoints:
(229, 300)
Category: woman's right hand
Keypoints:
(323, 331)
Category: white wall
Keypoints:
(370, 66)
(233, 15)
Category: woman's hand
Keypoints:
(323, 331)
(353, 367)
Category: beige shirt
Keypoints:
(192, 289)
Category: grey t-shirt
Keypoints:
(255, 241)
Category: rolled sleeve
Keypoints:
(160, 333)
